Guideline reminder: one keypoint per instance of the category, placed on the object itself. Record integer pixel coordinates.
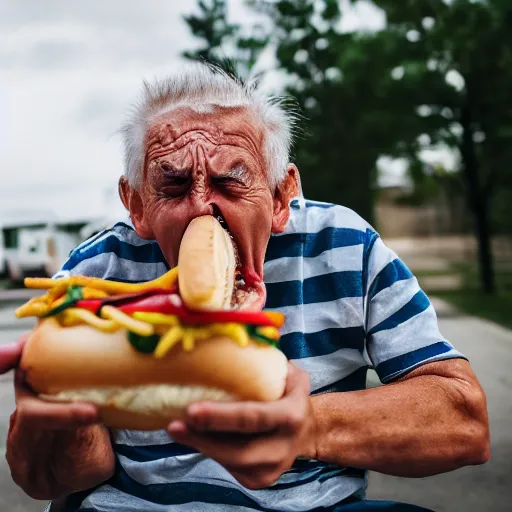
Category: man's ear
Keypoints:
(138, 214)
(285, 192)
(123, 189)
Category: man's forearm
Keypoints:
(53, 464)
(425, 425)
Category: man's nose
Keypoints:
(206, 209)
(203, 208)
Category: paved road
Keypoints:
(12, 499)
(477, 489)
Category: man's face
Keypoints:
(210, 164)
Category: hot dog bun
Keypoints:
(69, 363)
(136, 390)
(207, 265)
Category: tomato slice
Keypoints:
(154, 301)
(94, 305)
(161, 303)
(237, 317)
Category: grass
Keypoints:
(496, 308)
(433, 273)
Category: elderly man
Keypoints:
(202, 143)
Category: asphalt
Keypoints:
(479, 488)
(472, 489)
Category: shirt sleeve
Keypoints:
(116, 254)
(82, 262)
(401, 325)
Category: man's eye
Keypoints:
(226, 181)
(176, 181)
(174, 186)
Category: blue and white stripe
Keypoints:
(350, 304)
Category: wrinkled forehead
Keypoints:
(220, 125)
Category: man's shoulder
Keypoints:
(121, 237)
(318, 216)
(112, 251)
(316, 227)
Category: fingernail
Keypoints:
(87, 415)
(193, 409)
(200, 408)
(177, 427)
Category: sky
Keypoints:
(69, 72)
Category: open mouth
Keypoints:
(247, 294)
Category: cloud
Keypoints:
(68, 73)
(102, 110)
(55, 55)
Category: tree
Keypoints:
(342, 114)
(338, 82)
(224, 43)
(469, 42)
(426, 79)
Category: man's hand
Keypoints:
(53, 449)
(38, 414)
(35, 412)
(10, 355)
(255, 441)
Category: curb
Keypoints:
(18, 295)
(17, 326)
(444, 309)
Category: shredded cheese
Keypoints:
(126, 321)
(269, 332)
(76, 316)
(156, 318)
(166, 281)
(92, 293)
(56, 292)
(168, 341)
(34, 307)
(168, 328)
(188, 340)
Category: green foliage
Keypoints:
(334, 79)
(224, 43)
(212, 27)
(495, 308)
(364, 95)
(471, 40)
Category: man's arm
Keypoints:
(431, 421)
(49, 465)
(54, 449)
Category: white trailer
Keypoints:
(36, 245)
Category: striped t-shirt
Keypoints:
(350, 304)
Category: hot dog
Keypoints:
(144, 352)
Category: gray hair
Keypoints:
(203, 87)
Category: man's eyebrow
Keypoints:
(238, 171)
(169, 169)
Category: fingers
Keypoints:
(255, 417)
(254, 441)
(10, 354)
(232, 450)
(242, 417)
(297, 381)
(42, 414)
